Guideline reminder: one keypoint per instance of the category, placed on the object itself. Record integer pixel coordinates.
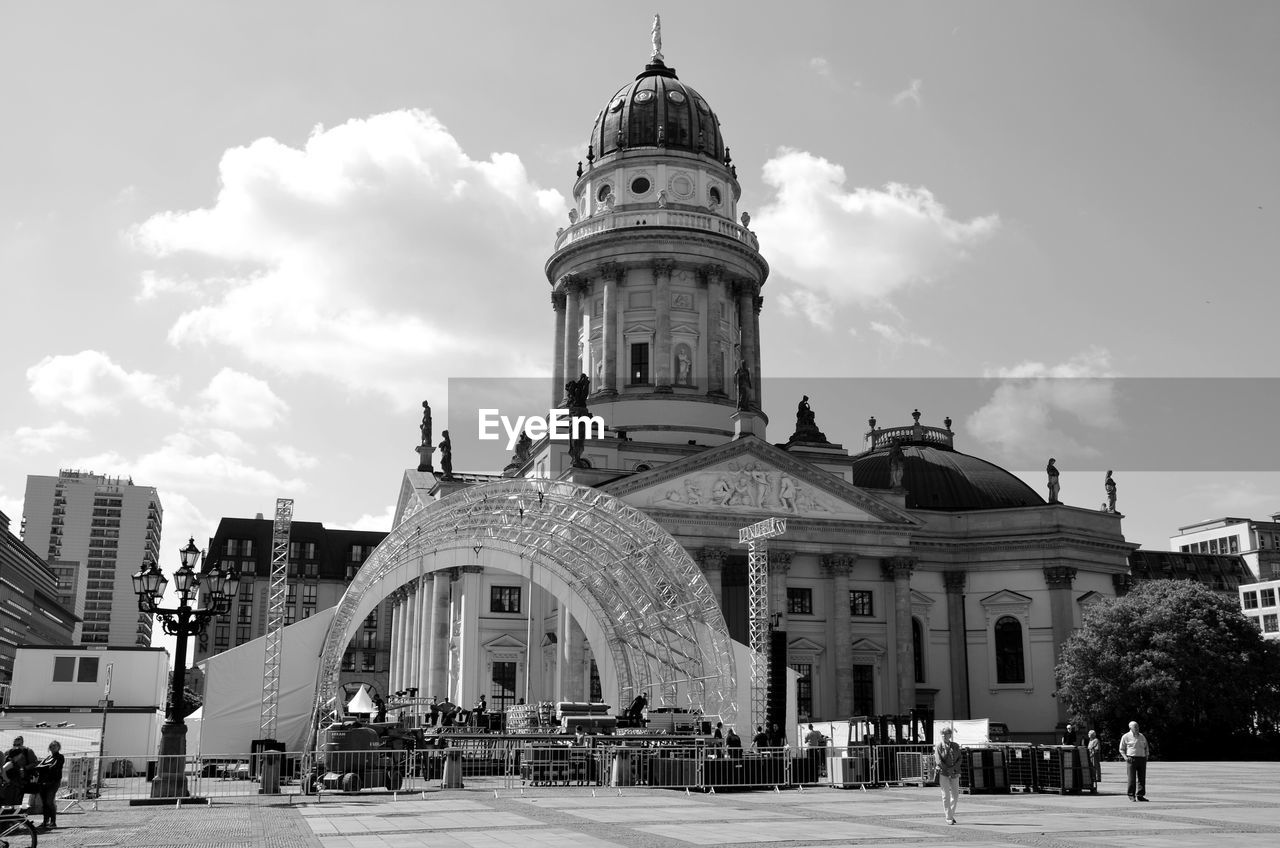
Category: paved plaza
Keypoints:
(1192, 804)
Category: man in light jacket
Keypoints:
(1133, 747)
(948, 755)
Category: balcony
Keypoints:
(597, 224)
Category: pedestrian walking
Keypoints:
(47, 781)
(1134, 749)
(948, 755)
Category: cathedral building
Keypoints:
(911, 574)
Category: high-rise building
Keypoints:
(96, 532)
(321, 564)
(30, 613)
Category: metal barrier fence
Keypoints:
(500, 762)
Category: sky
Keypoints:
(241, 243)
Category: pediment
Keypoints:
(638, 328)
(1090, 597)
(503, 642)
(684, 329)
(752, 477)
(919, 599)
(866, 646)
(1005, 597)
(804, 646)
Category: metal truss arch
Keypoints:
(643, 603)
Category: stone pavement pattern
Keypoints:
(1192, 805)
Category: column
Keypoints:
(757, 302)
(779, 565)
(558, 378)
(662, 324)
(612, 274)
(712, 562)
(411, 639)
(839, 567)
(572, 331)
(422, 668)
(898, 569)
(744, 294)
(470, 671)
(397, 641)
(1059, 578)
(709, 344)
(957, 640)
(436, 683)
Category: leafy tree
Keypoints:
(1181, 660)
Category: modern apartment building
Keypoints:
(1259, 603)
(1257, 540)
(30, 613)
(96, 532)
(322, 562)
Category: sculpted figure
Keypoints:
(787, 493)
(524, 444)
(426, 423)
(897, 465)
(446, 455)
(742, 380)
(720, 491)
(1110, 486)
(1052, 471)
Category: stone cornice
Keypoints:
(891, 568)
(653, 235)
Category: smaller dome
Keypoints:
(657, 110)
(935, 474)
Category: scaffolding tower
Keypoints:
(275, 615)
(756, 537)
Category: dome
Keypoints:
(657, 110)
(938, 477)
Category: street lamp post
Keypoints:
(219, 589)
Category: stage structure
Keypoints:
(756, 538)
(645, 607)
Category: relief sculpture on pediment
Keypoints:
(746, 487)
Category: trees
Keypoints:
(1178, 658)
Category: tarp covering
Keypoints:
(232, 712)
(84, 738)
(968, 731)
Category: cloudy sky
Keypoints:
(240, 243)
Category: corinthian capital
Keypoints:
(838, 564)
(897, 567)
(712, 559)
(779, 561)
(611, 271)
(954, 581)
(1059, 576)
(662, 268)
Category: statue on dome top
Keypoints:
(656, 34)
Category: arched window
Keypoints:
(917, 648)
(1010, 667)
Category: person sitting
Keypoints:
(479, 711)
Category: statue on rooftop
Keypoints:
(655, 36)
(897, 464)
(1052, 471)
(576, 392)
(425, 448)
(806, 425)
(446, 456)
(1110, 486)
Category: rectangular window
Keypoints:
(309, 593)
(370, 639)
(1234, 545)
(352, 568)
(246, 547)
(309, 550)
(245, 615)
(368, 661)
(242, 635)
(1271, 623)
(231, 547)
(221, 636)
(1268, 598)
(804, 690)
(504, 599)
(307, 612)
(290, 615)
(1250, 600)
(639, 364)
(311, 569)
(348, 661)
(800, 601)
(64, 669)
(864, 690)
(502, 693)
(371, 620)
(88, 670)
(295, 550)
(860, 602)
(246, 591)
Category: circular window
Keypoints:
(702, 105)
(640, 185)
(714, 194)
(616, 104)
(644, 96)
(675, 96)
(681, 185)
(604, 192)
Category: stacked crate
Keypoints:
(983, 771)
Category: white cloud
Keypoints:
(910, 94)
(377, 252)
(296, 459)
(46, 439)
(860, 245)
(380, 522)
(227, 441)
(90, 383)
(1026, 411)
(153, 285)
(241, 401)
(899, 337)
(815, 308)
(184, 462)
(12, 507)
(820, 66)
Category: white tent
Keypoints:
(232, 714)
(361, 703)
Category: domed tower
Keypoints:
(655, 283)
